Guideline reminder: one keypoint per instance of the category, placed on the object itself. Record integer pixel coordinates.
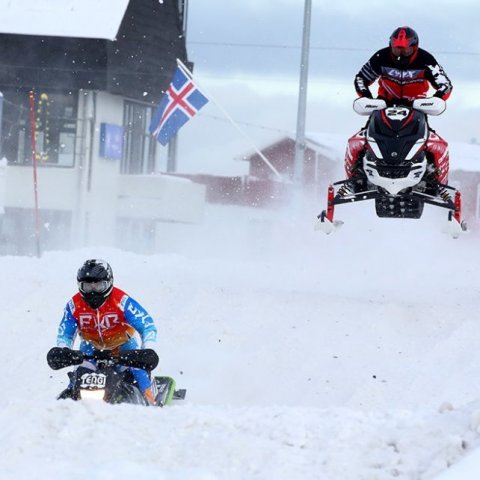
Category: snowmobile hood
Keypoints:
(396, 130)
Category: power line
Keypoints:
(297, 47)
(269, 45)
(293, 80)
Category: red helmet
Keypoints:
(404, 37)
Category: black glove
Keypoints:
(58, 357)
(147, 359)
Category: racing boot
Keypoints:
(354, 165)
(354, 153)
(438, 156)
(433, 181)
(150, 396)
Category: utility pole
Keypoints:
(302, 97)
(172, 155)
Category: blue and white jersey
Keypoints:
(112, 325)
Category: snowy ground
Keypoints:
(351, 357)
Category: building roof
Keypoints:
(320, 143)
(63, 18)
(138, 63)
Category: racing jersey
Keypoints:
(112, 325)
(397, 80)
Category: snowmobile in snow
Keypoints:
(111, 381)
(396, 167)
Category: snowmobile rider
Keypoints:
(106, 318)
(404, 72)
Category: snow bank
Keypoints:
(353, 356)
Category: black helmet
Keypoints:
(95, 282)
(404, 37)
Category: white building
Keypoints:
(98, 69)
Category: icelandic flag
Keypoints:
(179, 104)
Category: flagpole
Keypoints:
(31, 97)
(232, 121)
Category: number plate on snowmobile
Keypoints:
(397, 113)
(89, 380)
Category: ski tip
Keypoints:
(326, 226)
(455, 228)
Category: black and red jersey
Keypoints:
(407, 78)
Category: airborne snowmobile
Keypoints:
(395, 169)
(110, 382)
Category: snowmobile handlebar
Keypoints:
(146, 359)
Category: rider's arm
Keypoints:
(141, 321)
(67, 330)
(435, 74)
(367, 75)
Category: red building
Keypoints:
(319, 162)
(320, 166)
(262, 187)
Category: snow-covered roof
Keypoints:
(331, 143)
(63, 18)
(325, 144)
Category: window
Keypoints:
(139, 155)
(55, 128)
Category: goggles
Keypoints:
(403, 51)
(97, 287)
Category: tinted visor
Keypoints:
(97, 287)
(403, 51)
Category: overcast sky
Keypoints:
(247, 57)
